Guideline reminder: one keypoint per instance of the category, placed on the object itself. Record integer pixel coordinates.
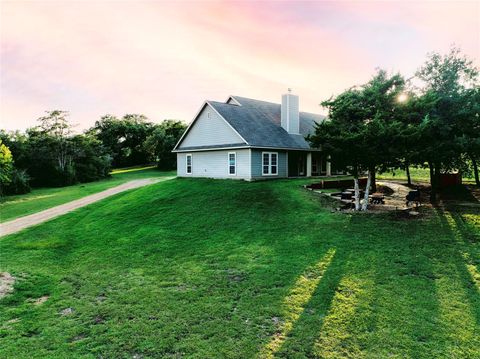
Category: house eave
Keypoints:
(226, 147)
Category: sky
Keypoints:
(164, 59)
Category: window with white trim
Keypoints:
(232, 163)
(269, 163)
(188, 164)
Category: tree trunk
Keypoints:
(409, 179)
(475, 170)
(357, 194)
(435, 181)
(433, 193)
(372, 176)
(367, 192)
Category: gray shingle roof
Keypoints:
(258, 122)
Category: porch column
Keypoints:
(309, 164)
(329, 167)
(286, 163)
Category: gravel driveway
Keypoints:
(43, 216)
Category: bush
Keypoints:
(19, 183)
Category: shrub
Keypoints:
(19, 184)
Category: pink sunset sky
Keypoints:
(163, 59)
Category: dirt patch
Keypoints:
(394, 194)
(387, 191)
(6, 284)
(40, 300)
(101, 298)
(66, 311)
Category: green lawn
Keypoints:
(39, 199)
(417, 174)
(229, 269)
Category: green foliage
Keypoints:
(19, 184)
(162, 140)
(53, 157)
(92, 162)
(452, 119)
(12, 179)
(6, 166)
(357, 135)
(208, 268)
(369, 128)
(124, 138)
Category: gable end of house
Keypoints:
(209, 130)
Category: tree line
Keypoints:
(51, 155)
(430, 120)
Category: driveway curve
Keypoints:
(18, 224)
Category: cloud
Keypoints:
(164, 59)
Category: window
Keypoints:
(266, 163)
(273, 163)
(314, 167)
(269, 163)
(232, 163)
(188, 160)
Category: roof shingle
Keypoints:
(258, 122)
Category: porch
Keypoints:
(307, 164)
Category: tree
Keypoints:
(91, 159)
(468, 131)
(446, 78)
(17, 142)
(124, 138)
(50, 155)
(408, 148)
(6, 167)
(361, 129)
(162, 141)
(380, 96)
(55, 124)
(342, 136)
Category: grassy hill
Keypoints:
(209, 269)
(39, 199)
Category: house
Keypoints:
(249, 139)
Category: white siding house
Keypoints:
(215, 164)
(250, 139)
(210, 129)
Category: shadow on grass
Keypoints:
(304, 329)
(209, 268)
(465, 255)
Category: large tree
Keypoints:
(446, 78)
(407, 147)
(124, 138)
(56, 126)
(468, 132)
(359, 133)
(162, 141)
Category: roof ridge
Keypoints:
(254, 99)
(311, 113)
